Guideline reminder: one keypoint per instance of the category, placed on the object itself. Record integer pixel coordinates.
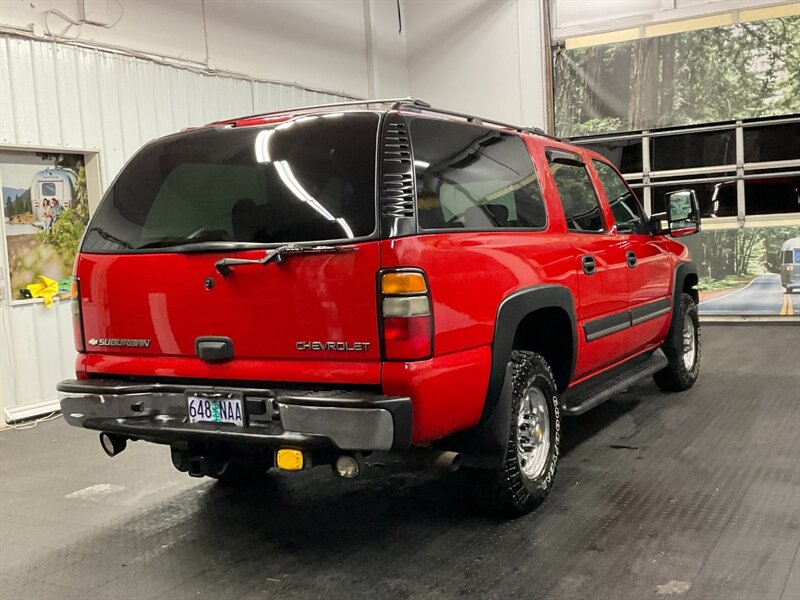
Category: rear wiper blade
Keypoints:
(278, 255)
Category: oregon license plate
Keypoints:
(215, 408)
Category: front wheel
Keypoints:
(525, 478)
(682, 348)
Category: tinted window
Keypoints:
(309, 179)
(772, 195)
(48, 189)
(687, 150)
(626, 155)
(775, 142)
(625, 206)
(578, 198)
(471, 177)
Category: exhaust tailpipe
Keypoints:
(430, 458)
(112, 444)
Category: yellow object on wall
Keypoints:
(46, 289)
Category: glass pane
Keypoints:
(578, 198)
(471, 177)
(716, 199)
(626, 155)
(688, 150)
(628, 213)
(310, 179)
(772, 195)
(773, 142)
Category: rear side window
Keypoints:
(575, 189)
(474, 178)
(309, 179)
(628, 213)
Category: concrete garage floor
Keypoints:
(689, 496)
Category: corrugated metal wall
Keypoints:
(59, 96)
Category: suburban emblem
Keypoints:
(123, 342)
(335, 346)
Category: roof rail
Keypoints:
(425, 107)
(395, 104)
(391, 101)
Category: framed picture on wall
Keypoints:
(45, 209)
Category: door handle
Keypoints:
(630, 257)
(589, 265)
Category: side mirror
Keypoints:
(683, 213)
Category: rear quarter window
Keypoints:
(474, 178)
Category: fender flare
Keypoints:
(512, 310)
(485, 445)
(682, 270)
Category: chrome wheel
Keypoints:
(689, 343)
(533, 433)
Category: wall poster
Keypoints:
(45, 210)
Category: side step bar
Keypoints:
(587, 395)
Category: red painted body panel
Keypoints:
(254, 370)
(264, 310)
(448, 391)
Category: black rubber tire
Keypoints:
(507, 490)
(676, 377)
(241, 474)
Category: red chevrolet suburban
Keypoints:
(306, 287)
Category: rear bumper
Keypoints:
(306, 419)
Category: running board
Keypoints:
(587, 395)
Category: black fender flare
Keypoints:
(485, 445)
(512, 310)
(682, 270)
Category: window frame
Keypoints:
(425, 231)
(642, 213)
(549, 151)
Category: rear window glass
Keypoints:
(471, 177)
(309, 179)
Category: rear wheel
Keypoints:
(525, 478)
(682, 348)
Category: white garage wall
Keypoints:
(316, 43)
(484, 57)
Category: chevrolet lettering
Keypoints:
(335, 346)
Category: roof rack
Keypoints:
(415, 103)
(399, 103)
(285, 111)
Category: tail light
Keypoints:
(406, 317)
(77, 315)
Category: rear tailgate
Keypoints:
(307, 319)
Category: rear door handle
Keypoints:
(589, 266)
(630, 256)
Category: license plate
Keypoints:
(215, 408)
